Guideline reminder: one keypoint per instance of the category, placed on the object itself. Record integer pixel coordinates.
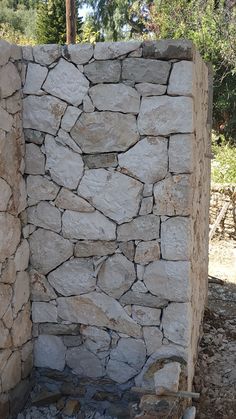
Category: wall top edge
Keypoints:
(165, 49)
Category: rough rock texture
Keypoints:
(115, 97)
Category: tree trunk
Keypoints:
(71, 21)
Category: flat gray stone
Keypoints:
(164, 115)
(153, 339)
(116, 195)
(176, 238)
(144, 227)
(142, 299)
(79, 53)
(35, 77)
(10, 80)
(45, 215)
(144, 70)
(49, 352)
(94, 161)
(110, 50)
(33, 136)
(46, 54)
(116, 275)
(71, 201)
(181, 148)
(10, 232)
(177, 323)
(150, 89)
(146, 316)
(169, 280)
(84, 363)
(173, 196)
(147, 160)
(40, 289)
(97, 309)
(70, 117)
(147, 252)
(97, 340)
(89, 248)
(34, 160)
(40, 188)
(43, 113)
(146, 206)
(103, 71)
(128, 249)
(105, 131)
(48, 250)
(5, 193)
(65, 166)
(73, 277)
(167, 378)
(87, 226)
(44, 312)
(181, 79)
(115, 97)
(5, 49)
(169, 49)
(66, 82)
(65, 139)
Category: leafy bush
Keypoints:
(223, 168)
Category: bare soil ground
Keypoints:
(215, 376)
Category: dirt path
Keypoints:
(215, 375)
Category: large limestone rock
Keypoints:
(144, 70)
(6, 120)
(147, 160)
(97, 340)
(40, 289)
(10, 232)
(181, 79)
(46, 54)
(21, 291)
(49, 352)
(65, 139)
(170, 280)
(150, 89)
(165, 115)
(110, 50)
(70, 117)
(43, 113)
(167, 49)
(48, 250)
(87, 226)
(116, 195)
(5, 49)
(73, 277)
(173, 196)
(84, 363)
(115, 97)
(146, 316)
(5, 194)
(176, 236)
(147, 252)
(103, 71)
(5, 337)
(35, 77)
(116, 275)
(21, 329)
(11, 373)
(34, 160)
(9, 80)
(5, 298)
(99, 131)
(87, 248)
(153, 339)
(46, 216)
(66, 82)
(97, 309)
(96, 161)
(142, 299)
(126, 359)
(181, 145)
(79, 53)
(145, 227)
(68, 200)
(167, 378)
(21, 258)
(65, 166)
(39, 189)
(43, 312)
(177, 323)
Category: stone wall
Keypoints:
(118, 196)
(117, 174)
(15, 324)
(221, 194)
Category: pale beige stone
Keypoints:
(6, 120)
(11, 373)
(181, 148)
(66, 82)
(143, 299)
(116, 195)
(21, 329)
(48, 250)
(167, 378)
(89, 248)
(147, 160)
(147, 252)
(87, 226)
(110, 131)
(116, 276)
(115, 97)
(97, 309)
(145, 227)
(8, 318)
(173, 196)
(5, 298)
(9, 80)
(8, 274)
(21, 258)
(5, 194)
(14, 103)
(34, 160)
(177, 323)
(5, 337)
(35, 77)
(10, 231)
(146, 316)
(164, 115)
(40, 289)
(21, 291)
(153, 339)
(4, 355)
(176, 238)
(69, 200)
(128, 249)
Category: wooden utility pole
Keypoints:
(71, 20)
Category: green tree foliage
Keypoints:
(51, 22)
(17, 21)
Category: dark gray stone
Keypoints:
(103, 71)
(168, 49)
(94, 161)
